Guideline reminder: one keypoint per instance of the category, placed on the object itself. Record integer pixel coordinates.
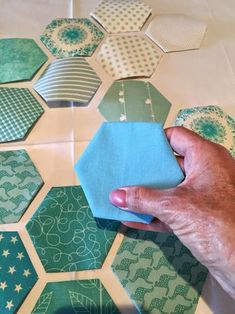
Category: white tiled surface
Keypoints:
(189, 78)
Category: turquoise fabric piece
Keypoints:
(122, 154)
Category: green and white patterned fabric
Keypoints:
(71, 37)
(159, 274)
(80, 296)
(17, 275)
(19, 111)
(68, 82)
(211, 122)
(19, 183)
(72, 239)
(130, 100)
(20, 59)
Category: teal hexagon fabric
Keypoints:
(19, 111)
(20, 59)
(71, 37)
(78, 296)
(17, 275)
(65, 234)
(130, 100)
(211, 122)
(19, 183)
(159, 274)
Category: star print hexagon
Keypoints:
(125, 154)
(70, 37)
(17, 273)
(71, 239)
(77, 296)
(20, 59)
(68, 82)
(176, 32)
(126, 56)
(211, 122)
(130, 100)
(19, 184)
(158, 273)
(118, 16)
(19, 111)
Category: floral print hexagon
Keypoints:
(70, 37)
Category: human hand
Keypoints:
(201, 210)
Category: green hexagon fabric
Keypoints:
(80, 296)
(159, 274)
(19, 111)
(130, 100)
(20, 59)
(19, 183)
(17, 275)
(69, 37)
(65, 234)
(211, 122)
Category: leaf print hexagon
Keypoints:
(71, 37)
(65, 234)
(211, 122)
(17, 273)
(132, 100)
(77, 296)
(20, 59)
(19, 184)
(159, 274)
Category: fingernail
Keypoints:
(118, 198)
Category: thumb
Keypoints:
(165, 205)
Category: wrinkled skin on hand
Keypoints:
(201, 210)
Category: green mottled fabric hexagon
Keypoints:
(159, 274)
(19, 111)
(20, 59)
(80, 296)
(69, 37)
(19, 183)
(65, 234)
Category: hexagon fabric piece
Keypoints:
(126, 56)
(116, 157)
(211, 122)
(77, 296)
(71, 37)
(134, 101)
(17, 273)
(176, 32)
(19, 184)
(118, 16)
(65, 234)
(68, 82)
(159, 274)
(19, 111)
(20, 59)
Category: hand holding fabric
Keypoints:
(201, 210)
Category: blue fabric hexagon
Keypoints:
(123, 154)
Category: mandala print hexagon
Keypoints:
(19, 184)
(71, 37)
(118, 16)
(126, 56)
(17, 273)
(65, 234)
(211, 122)
(20, 59)
(159, 274)
(130, 100)
(80, 296)
(19, 111)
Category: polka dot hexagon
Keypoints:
(118, 16)
(128, 56)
